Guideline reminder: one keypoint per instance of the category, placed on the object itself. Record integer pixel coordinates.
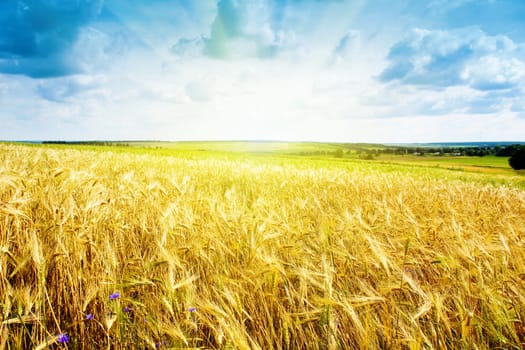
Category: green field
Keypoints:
(487, 169)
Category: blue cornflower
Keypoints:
(192, 309)
(89, 317)
(159, 344)
(114, 296)
(63, 338)
(126, 309)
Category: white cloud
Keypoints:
(493, 72)
(246, 30)
(457, 57)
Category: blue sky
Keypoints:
(321, 70)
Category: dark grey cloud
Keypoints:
(36, 35)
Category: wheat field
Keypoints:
(120, 250)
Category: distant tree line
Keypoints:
(369, 151)
(499, 151)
